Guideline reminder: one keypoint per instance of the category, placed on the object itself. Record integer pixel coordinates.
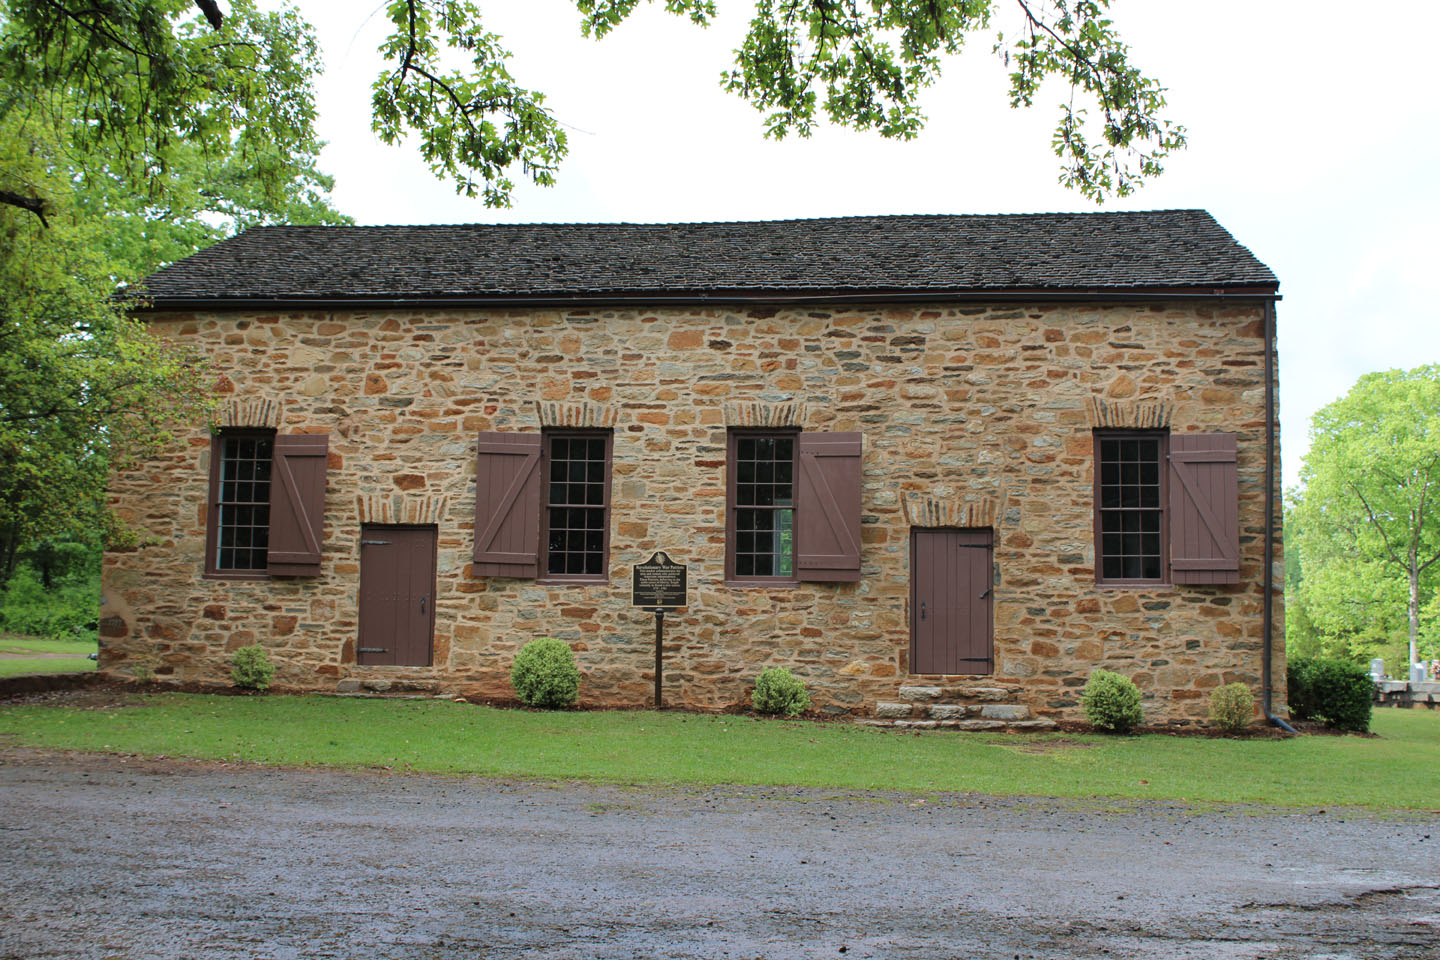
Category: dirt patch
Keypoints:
(1057, 745)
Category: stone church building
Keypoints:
(941, 467)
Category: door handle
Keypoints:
(984, 595)
(922, 609)
(422, 605)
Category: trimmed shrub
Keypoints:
(1336, 693)
(1111, 702)
(251, 668)
(777, 692)
(1232, 707)
(544, 674)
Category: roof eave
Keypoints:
(834, 295)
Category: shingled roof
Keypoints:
(1165, 251)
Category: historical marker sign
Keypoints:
(659, 582)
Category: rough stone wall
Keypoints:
(973, 415)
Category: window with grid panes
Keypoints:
(240, 502)
(761, 535)
(1130, 507)
(576, 534)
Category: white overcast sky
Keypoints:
(1313, 141)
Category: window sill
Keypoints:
(752, 584)
(252, 576)
(1135, 585)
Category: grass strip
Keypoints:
(16, 644)
(1398, 771)
(44, 666)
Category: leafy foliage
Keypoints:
(1336, 693)
(865, 66)
(544, 674)
(83, 387)
(65, 610)
(1232, 707)
(1364, 526)
(129, 138)
(473, 125)
(778, 692)
(142, 83)
(133, 87)
(251, 669)
(1111, 702)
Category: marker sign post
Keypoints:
(658, 584)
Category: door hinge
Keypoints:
(372, 649)
(374, 543)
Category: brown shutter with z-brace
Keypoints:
(297, 504)
(507, 505)
(1204, 499)
(827, 507)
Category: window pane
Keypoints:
(762, 517)
(242, 508)
(1130, 508)
(575, 526)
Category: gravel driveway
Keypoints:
(107, 857)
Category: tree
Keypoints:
(136, 99)
(90, 200)
(146, 79)
(861, 65)
(82, 385)
(1366, 518)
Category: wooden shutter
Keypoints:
(297, 504)
(827, 507)
(507, 505)
(1204, 499)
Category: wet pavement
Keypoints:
(106, 857)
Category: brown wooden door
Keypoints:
(397, 596)
(951, 601)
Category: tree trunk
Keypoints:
(1414, 611)
(9, 540)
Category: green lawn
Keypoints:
(17, 656)
(1399, 770)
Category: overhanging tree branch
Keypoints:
(211, 9)
(35, 205)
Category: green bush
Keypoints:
(251, 668)
(66, 611)
(544, 674)
(1111, 702)
(1336, 693)
(1232, 707)
(777, 692)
